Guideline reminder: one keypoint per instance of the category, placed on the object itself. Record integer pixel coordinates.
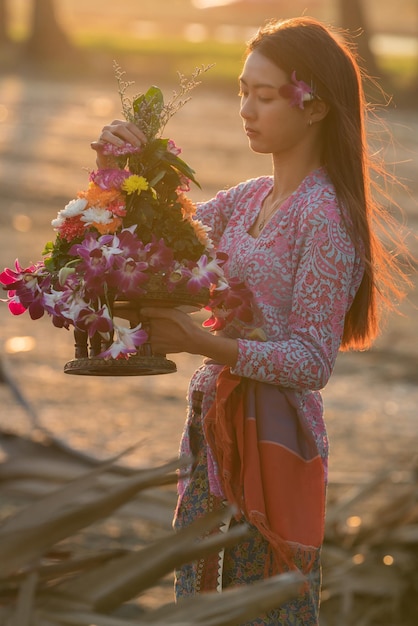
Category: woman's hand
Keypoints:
(117, 133)
(172, 331)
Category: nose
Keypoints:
(246, 109)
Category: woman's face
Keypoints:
(270, 122)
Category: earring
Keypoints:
(310, 122)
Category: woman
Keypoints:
(303, 242)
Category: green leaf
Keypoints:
(157, 178)
(49, 247)
(148, 108)
(182, 166)
(154, 97)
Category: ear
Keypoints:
(317, 111)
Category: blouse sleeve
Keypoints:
(327, 273)
(217, 212)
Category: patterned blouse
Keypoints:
(303, 271)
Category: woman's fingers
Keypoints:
(120, 132)
(171, 329)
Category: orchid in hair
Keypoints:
(299, 92)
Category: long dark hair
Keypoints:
(327, 60)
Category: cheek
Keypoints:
(288, 128)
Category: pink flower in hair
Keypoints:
(298, 93)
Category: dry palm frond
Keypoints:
(43, 583)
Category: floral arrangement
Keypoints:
(134, 222)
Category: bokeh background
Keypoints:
(57, 90)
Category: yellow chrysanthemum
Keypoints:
(134, 184)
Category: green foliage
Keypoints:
(57, 253)
(148, 108)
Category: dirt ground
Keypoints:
(45, 130)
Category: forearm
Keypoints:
(221, 349)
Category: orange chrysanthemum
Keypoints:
(110, 228)
(188, 207)
(96, 196)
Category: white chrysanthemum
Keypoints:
(58, 222)
(96, 215)
(73, 208)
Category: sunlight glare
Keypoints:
(195, 32)
(22, 223)
(207, 4)
(100, 106)
(358, 559)
(388, 559)
(354, 521)
(19, 344)
(145, 29)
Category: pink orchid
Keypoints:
(10, 277)
(127, 277)
(204, 273)
(128, 244)
(88, 244)
(29, 284)
(55, 304)
(69, 304)
(177, 275)
(128, 341)
(228, 302)
(13, 303)
(298, 93)
(95, 321)
(93, 267)
(159, 255)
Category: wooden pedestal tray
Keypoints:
(86, 361)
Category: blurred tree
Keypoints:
(353, 18)
(4, 35)
(47, 40)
